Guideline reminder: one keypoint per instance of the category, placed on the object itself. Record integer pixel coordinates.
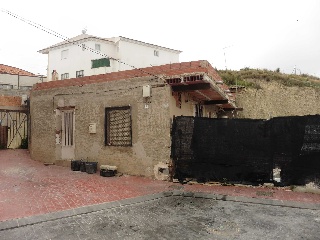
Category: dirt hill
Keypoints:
(264, 94)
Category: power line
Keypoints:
(56, 34)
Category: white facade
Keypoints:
(14, 81)
(79, 55)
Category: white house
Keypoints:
(16, 78)
(87, 55)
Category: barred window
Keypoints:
(118, 129)
(64, 76)
(80, 73)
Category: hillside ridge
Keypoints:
(251, 78)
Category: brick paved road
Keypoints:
(29, 188)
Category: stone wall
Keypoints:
(150, 124)
(274, 99)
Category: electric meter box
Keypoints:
(92, 128)
(146, 91)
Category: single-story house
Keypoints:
(123, 118)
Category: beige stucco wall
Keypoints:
(274, 99)
(150, 126)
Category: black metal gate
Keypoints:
(13, 128)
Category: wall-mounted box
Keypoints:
(146, 91)
(92, 128)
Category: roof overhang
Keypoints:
(204, 90)
(74, 41)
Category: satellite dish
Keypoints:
(84, 31)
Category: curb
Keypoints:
(21, 222)
(25, 221)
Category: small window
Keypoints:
(64, 54)
(156, 53)
(64, 76)
(97, 47)
(83, 47)
(102, 62)
(6, 86)
(118, 130)
(79, 73)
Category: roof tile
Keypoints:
(4, 69)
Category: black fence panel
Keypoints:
(246, 149)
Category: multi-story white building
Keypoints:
(87, 55)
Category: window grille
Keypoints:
(67, 127)
(118, 129)
(64, 76)
(80, 73)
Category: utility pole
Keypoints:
(18, 80)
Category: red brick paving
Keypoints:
(30, 188)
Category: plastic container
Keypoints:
(107, 173)
(75, 165)
(91, 167)
(82, 166)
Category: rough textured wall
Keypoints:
(275, 100)
(150, 126)
(42, 137)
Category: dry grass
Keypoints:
(251, 77)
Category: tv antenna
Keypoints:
(224, 53)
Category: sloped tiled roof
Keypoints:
(85, 37)
(74, 40)
(4, 69)
(217, 89)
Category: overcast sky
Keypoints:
(228, 33)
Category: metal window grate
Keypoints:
(80, 73)
(118, 126)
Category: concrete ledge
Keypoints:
(63, 163)
(15, 223)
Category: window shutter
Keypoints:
(103, 62)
